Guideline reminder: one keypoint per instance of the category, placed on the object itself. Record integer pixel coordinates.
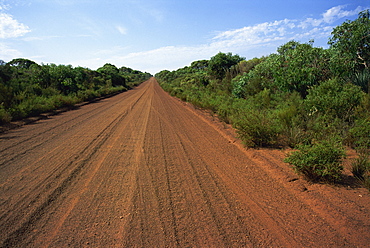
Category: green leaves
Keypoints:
(27, 88)
(351, 43)
(221, 62)
(334, 99)
(320, 161)
(296, 67)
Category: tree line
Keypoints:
(309, 98)
(28, 89)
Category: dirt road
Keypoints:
(142, 169)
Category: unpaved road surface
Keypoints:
(142, 169)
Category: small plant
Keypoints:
(361, 170)
(257, 129)
(318, 162)
(361, 166)
(5, 117)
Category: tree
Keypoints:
(111, 73)
(301, 67)
(199, 65)
(296, 67)
(21, 63)
(221, 62)
(351, 42)
(332, 98)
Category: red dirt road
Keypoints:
(142, 169)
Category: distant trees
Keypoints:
(27, 88)
(221, 62)
(112, 75)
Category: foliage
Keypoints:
(320, 161)
(28, 89)
(219, 64)
(334, 99)
(296, 67)
(362, 79)
(361, 167)
(350, 41)
(359, 134)
(257, 129)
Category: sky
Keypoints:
(156, 35)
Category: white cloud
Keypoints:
(283, 30)
(257, 34)
(337, 12)
(309, 22)
(11, 28)
(4, 6)
(122, 29)
(40, 38)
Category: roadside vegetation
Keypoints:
(312, 99)
(28, 89)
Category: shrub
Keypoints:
(291, 121)
(257, 129)
(361, 167)
(359, 135)
(320, 161)
(5, 117)
(361, 170)
(334, 99)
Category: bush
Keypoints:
(359, 135)
(361, 170)
(318, 162)
(290, 118)
(334, 99)
(361, 167)
(5, 117)
(257, 129)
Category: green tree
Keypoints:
(301, 67)
(350, 42)
(199, 65)
(111, 74)
(21, 63)
(296, 67)
(220, 63)
(334, 99)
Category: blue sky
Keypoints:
(151, 35)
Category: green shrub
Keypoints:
(88, 95)
(335, 99)
(5, 117)
(257, 129)
(361, 170)
(320, 161)
(361, 167)
(359, 135)
(291, 121)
